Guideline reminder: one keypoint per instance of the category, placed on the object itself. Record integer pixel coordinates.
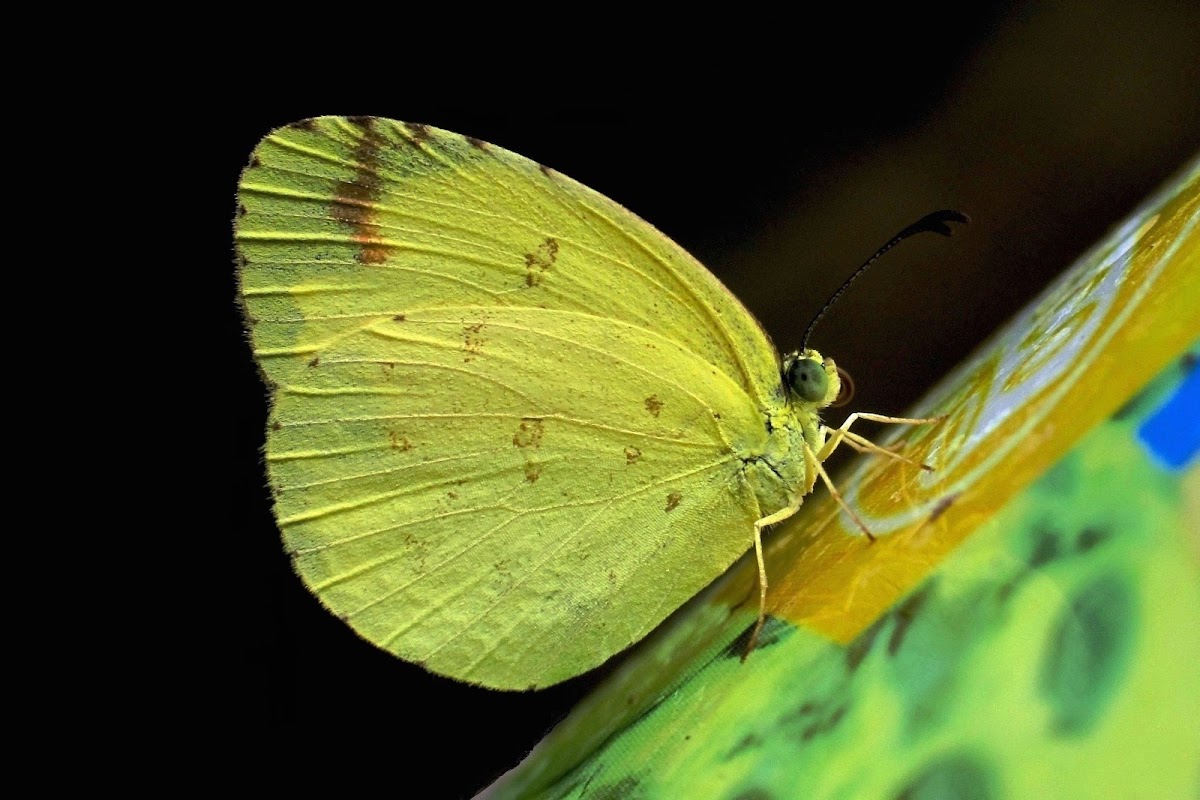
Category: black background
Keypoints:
(1047, 125)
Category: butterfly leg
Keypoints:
(865, 445)
(816, 462)
(843, 433)
(778, 516)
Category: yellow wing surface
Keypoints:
(507, 413)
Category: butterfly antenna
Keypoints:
(932, 223)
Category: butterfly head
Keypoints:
(814, 380)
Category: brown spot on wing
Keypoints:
(372, 254)
(419, 131)
(653, 404)
(473, 340)
(529, 433)
(355, 200)
(632, 454)
(352, 215)
(673, 500)
(539, 262)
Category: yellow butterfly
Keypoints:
(513, 425)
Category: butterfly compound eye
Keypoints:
(808, 380)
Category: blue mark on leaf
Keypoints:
(1172, 433)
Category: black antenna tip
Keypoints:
(935, 223)
(930, 223)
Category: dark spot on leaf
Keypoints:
(478, 144)
(954, 777)
(941, 507)
(858, 649)
(532, 472)
(316, 360)
(1127, 408)
(1087, 654)
(276, 426)
(1004, 590)
(303, 125)
(632, 454)
(545, 170)
(529, 433)
(754, 793)
(1089, 538)
(747, 742)
(653, 404)
(612, 576)
(452, 495)
(823, 726)
(805, 709)
(1045, 548)
(399, 442)
(241, 210)
(673, 500)
(906, 612)
(398, 318)
(625, 789)
(773, 631)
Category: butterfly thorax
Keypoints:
(777, 469)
